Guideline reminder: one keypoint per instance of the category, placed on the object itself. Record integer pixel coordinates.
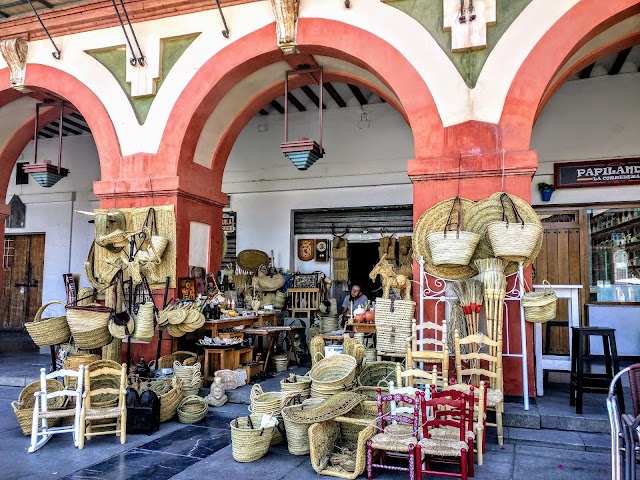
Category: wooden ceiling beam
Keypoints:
(68, 121)
(335, 95)
(263, 112)
(45, 135)
(358, 94)
(51, 130)
(312, 96)
(586, 71)
(275, 104)
(65, 128)
(296, 103)
(619, 62)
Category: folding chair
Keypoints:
(41, 414)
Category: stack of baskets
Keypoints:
(298, 384)
(192, 409)
(190, 376)
(269, 403)
(333, 375)
(298, 433)
(89, 325)
(23, 408)
(281, 362)
(249, 442)
(328, 323)
(48, 331)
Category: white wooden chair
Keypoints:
(41, 432)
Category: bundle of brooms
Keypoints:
(491, 272)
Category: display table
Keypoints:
(361, 327)
(213, 326)
(267, 319)
(270, 334)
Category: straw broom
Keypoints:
(495, 285)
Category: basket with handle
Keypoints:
(48, 331)
(192, 409)
(453, 247)
(540, 307)
(249, 442)
(89, 325)
(515, 241)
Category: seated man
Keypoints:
(356, 297)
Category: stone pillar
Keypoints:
(475, 167)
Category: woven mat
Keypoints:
(334, 406)
(478, 217)
(250, 260)
(434, 220)
(135, 217)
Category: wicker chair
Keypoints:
(92, 417)
(399, 438)
(42, 416)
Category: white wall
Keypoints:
(594, 118)
(68, 235)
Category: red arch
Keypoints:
(83, 98)
(579, 25)
(315, 36)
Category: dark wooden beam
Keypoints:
(4, 15)
(263, 112)
(358, 94)
(586, 71)
(277, 106)
(65, 128)
(45, 135)
(382, 99)
(45, 3)
(84, 128)
(78, 116)
(335, 95)
(296, 103)
(620, 59)
(312, 96)
(52, 131)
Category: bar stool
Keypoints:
(582, 381)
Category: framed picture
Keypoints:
(305, 249)
(211, 288)
(305, 280)
(322, 250)
(187, 288)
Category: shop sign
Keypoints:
(229, 222)
(621, 171)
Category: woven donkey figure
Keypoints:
(390, 279)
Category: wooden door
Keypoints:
(23, 265)
(559, 263)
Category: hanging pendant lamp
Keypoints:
(302, 152)
(46, 174)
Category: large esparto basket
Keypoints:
(393, 325)
(378, 374)
(514, 241)
(169, 401)
(540, 307)
(452, 247)
(295, 383)
(48, 331)
(325, 435)
(298, 433)
(89, 325)
(74, 362)
(23, 407)
(192, 409)
(25, 418)
(248, 443)
(333, 375)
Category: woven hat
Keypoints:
(480, 215)
(250, 260)
(434, 220)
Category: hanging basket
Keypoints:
(144, 322)
(453, 247)
(89, 325)
(540, 307)
(48, 331)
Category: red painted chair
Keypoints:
(455, 407)
(395, 439)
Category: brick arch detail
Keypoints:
(42, 77)
(580, 24)
(315, 36)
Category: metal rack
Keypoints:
(437, 290)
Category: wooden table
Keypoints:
(361, 327)
(269, 318)
(270, 334)
(213, 326)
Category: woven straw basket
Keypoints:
(89, 325)
(333, 375)
(48, 331)
(249, 442)
(23, 408)
(453, 246)
(192, 409)
(377, 374)
(540, 307)
(298, 433)
(169, 401)
(74, 362)
(144, 322)
(393, 325)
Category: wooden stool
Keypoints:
(582, 381)
(218, 359)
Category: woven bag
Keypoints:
(453, 247)
(89, 325)
(515, 241)
(540, 307)
(249, 442)
(48, 331)
(393, 325)
(144, 322)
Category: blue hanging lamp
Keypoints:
(302, 152)
(46, 174)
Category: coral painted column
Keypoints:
(475, 167)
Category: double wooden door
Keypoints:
(559, 263)
(22, 276)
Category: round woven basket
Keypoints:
(281, 362)
(333, 375)
(182, 356)
(249, 442)
(48, 331)
(298, 433)
(25, 418)
(192, 409)
(540, 307)
(169, 401)
(74, 362)
(269, 402)
(295, 383)
(434, 220)
(250, 260)
(479, 216)
(378, 374)
(27, 400)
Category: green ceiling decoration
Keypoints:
(429, 14)
(115, 60)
